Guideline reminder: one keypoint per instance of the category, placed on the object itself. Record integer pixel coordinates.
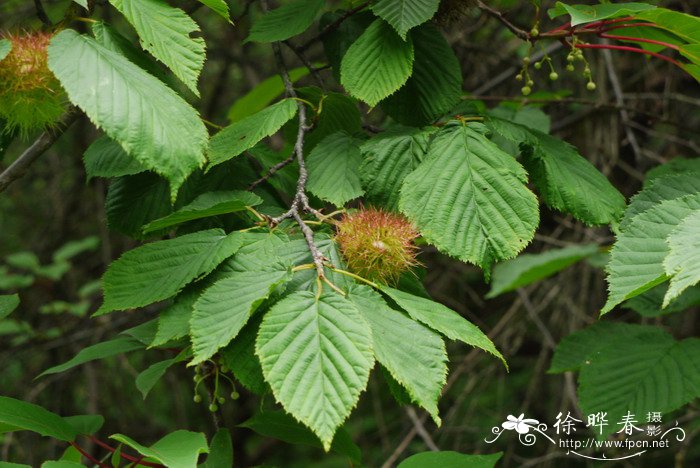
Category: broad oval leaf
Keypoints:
(221, 448)
(224, 308)
(119, 345)
(377, 64)
(581, 14)
(469, 198)
(159, 270)
(334, 169)
(219, 7)
(316, 354)
(164, 134)
(405, 14)
(165, 32)
(21, 415)
(286, 21)
(106, 158)
(244, 134)
(8, 303)
(413, 354)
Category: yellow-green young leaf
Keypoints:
(20, 415)
(244, 134)
(164, 31)
(377, 64)
(316, 354)
(683, 25)
(164, 134)
(581, 14)
(639, 374)
(206, 205)
(220, 7)
(159, 270)
(119, 345)
(435, 85)
(450, 459)
(5, 48)
(636, 259)
(61, 464)
(527, 268)
(405, 14)
(334, 169)
(8, 303)
(106, 158)
(442, 319)
(179, 449)
(262, 95)
(389, 158)
(683, 261)
(413, 354)
(286, 21)
(224, 308)
(469, 198)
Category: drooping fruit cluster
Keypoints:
(377, 245)
(31, 97)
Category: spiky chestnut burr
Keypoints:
(31, 97)
(377, 245)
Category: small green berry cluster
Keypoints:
(211, 369)
(576, 55)
(524, 74)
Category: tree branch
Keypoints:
(521, 33)
(18, 168)
(332, 26)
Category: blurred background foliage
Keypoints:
(55, 245)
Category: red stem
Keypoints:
(629, 49)
(596, 24)
(638, 39)
(125, 456)
(88, 456)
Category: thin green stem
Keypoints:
(354, 276)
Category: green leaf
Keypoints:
(435, 85)
(566, 181)
(13, 465)
(8, 303)
(224, 308)
(377, 64)
(5, 48)
(581, 14)
(442, 319)
(665, 187)
(206, 205)
(389, 158)
(82, 3)
(61, 464)
(240, 357)
(683, 261)
(106, 158)
(220, 450)
(405, 14)
(626, 375)
(574, 351)
(334, 169)
(337, 112)
(174, 320)
(220, 7)
(244, 134)
(165, 31)
(528, 268)
(286, 21)
(119, 345)
(674, 166)
(73, 248)
(413, 354)
(316, 354)
(133, 201)
(149, 377)
(279, 425)
(164, 134)
(650, 303)
(27, 416)
(636, 259)
(449, 459)
(469, 198)
(262, 95)
(85, 424)
(179, 449)
(159, 270)
(683, 25)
